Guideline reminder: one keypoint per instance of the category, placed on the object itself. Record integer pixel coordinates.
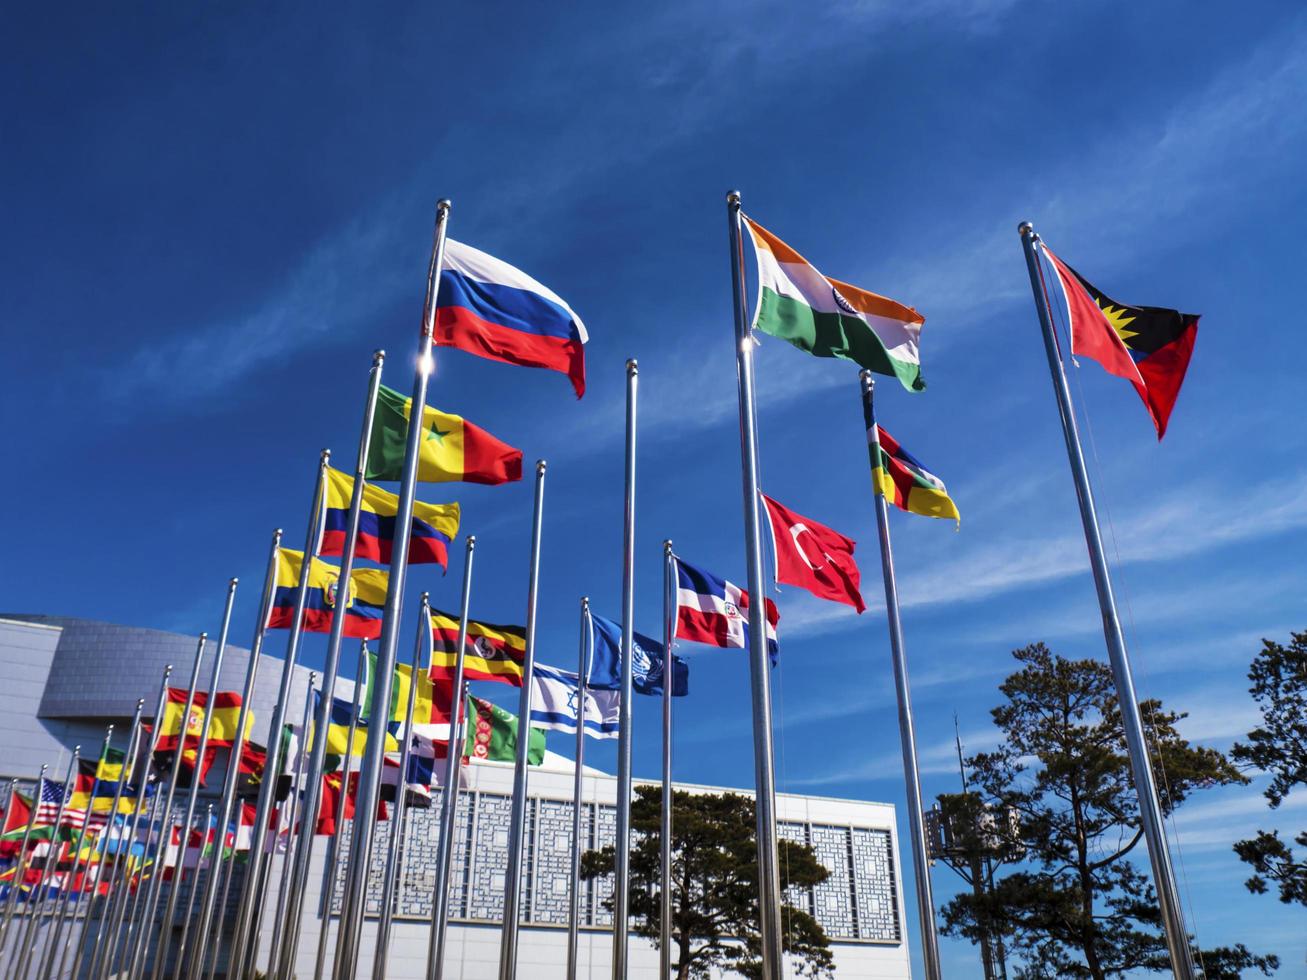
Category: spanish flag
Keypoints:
(223, 719)
(494, 653)
(363, 609)
(434, 525)
(453, 449)
(901, 479)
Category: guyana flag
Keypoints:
(1149, 346)
(492, 734)
(901, 478)
(453, 450)
(494, 653)
(829, 318)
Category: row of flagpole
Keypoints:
(127, 919)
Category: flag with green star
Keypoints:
(452, 449)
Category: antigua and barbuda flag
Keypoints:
(713, 611)
(813, 556)
(487, 307)
(1149, 346)
(829, 318)
(363, 608)
(556, 699)
(434, 525)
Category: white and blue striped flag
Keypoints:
(555, 695)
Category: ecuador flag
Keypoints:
(434, 525)
(494, 653)
(902, 480)
(453, 449)
(363, 609)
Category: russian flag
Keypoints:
(487, 307)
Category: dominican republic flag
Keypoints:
(713, 611)
(487, 307)
(556, 700)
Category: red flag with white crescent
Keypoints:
(814, 557)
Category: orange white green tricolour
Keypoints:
(829, 318)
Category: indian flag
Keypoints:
(830, 318)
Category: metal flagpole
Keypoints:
(395, 847)
(188, 910)
(907, 731)
(1150, 809)
(665, 823)
(192, 798)
(517, 825)
(132, 907)
(133, 739)
(574, 894)
(449, 792)
(251, 896)
(295, 809)
(622, 881)
(34, 918)
(303, 855)
(769, 894)
(146, 918)
(22, 860)
(228, 800)
(333, 848)
(54, 935)
(365, 813)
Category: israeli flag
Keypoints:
(555, 696)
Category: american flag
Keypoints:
(47, 810)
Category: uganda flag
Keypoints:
(1149, 346)
(494, 653)
(829, 318)
(453, 450)
(901, 479)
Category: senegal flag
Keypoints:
(901, 479)
(830, 318)
(492, 735)
(453, 449)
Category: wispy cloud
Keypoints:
(1185, 523)
(935, 759)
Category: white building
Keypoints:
(61, 680)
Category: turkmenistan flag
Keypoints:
(452, 449)
(830, 318)
(492, 734)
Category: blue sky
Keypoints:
(213, 217)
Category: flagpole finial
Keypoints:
(443, 205)
(326, 455)
(231, 584)
(140, 703)
(632, 366)
(377, 357)
(426, 597)
(667, 546)
(540, 467)
(733, 199)
(277, 533)
(471, 541)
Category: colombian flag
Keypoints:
(363, 607)
(901, 479)
(494, 653)
(453, 449)
(434, 525)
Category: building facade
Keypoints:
(62, 680)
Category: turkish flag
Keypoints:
(813, 557)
